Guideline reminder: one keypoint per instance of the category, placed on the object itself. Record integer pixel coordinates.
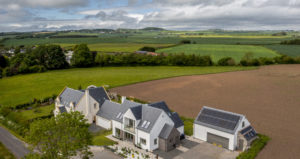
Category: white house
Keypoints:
(149, 126)
(229, 130)
(87, 101)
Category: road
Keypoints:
(16, 146)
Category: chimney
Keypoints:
(87, 102)
(123, 98)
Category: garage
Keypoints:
(103, 123)
(218, 140)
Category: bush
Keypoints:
(37, 68)
(226, 61)
(255, 148)
(185, 41)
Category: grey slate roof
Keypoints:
(70, 95)
(173, 115)
(219, 119)
(137, 111)
(62, 109)
(166, 131)
(109, 110)
(99, 94)
(124, 107)
(149, 114)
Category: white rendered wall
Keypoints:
(200, 132)
(103, 122)
(116, 124)
(141, 134)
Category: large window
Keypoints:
(118, 132)
(155, 141)
(143, 141)
(129, 125)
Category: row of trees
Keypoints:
(40, 59)
(291, 42)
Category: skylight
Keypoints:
(147, 125)
(144, 123)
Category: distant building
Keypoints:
(147, 53)
(229, 130)
(69, 55)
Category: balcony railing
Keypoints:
(129, 128)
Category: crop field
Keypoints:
(290, 50)
(116, 47)
(217, 52)
(23, 88)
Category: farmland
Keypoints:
(219, 51)
(116, 47)
(40, 85)
(290, 50)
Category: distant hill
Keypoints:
(153, 29)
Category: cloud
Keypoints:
(169, 14)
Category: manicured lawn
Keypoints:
(23, 88)
(37, 112)
(5, 153)
(290, 50)
(100, 139)
(116, 47)
(217, 52)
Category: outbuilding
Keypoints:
(224, 129)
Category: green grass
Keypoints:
(116, 47)
(255, 148)
(5, 153)
(37, 112)
(100, 138)
(23, 88)
(188, 125)
(290, 50)
(217, 52)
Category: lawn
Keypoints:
(37, 112)
(217, 52)
(5, 153)
(100, 138)
(290, 50)
(116, 47)
(23, 88)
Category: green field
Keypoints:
(23, 88)
(5, 153)
(290, 50)
(116, 47)
(37, 112)
(217, 52)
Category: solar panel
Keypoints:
(147, 125)
(246, 129)
(121, 116)
(250, 135)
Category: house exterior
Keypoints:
(222, 128)
(148, 126)
(87, 101)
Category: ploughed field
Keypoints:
(269, 97)
(237, 52)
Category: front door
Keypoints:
(128, 137)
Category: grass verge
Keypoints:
(5, 153)
(100, 138)
(255, 148)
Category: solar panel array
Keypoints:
(219, 119)
(249, 133)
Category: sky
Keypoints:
(37, 15)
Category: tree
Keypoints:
(82, 56)
(3, 61)
(57, 58)
(61, 137)
(147, 48)
(226, 61)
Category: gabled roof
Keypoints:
(149, 114)
(173, 115)
(123, 108)
(99, 94)
(219, 119)
(70, 95)
(62, 109)
(109, 110)
(137, 112)
(166, 131)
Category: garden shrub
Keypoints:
(226, 61)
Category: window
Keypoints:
(170, 140)
(155, 141)
(118, 132)
(243, 124)
(143, 141)
(95, 106)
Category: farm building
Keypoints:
(225, 129)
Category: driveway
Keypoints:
(193, 149)
(16, 146)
